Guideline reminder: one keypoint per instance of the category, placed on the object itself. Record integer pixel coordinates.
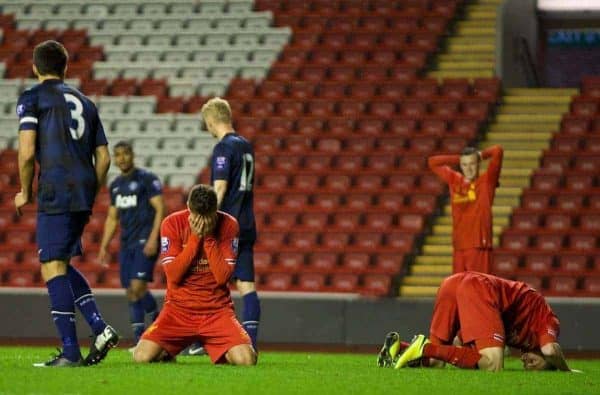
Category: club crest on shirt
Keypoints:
(235, 245)
(220, 162)
(133, 185)
(20, 110)
(164, 244)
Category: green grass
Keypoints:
(279, 373)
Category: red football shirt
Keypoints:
(471, 201)
(489, 308)
(198, 269)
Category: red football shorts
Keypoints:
(472, 260)
(218, 332)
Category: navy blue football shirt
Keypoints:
(131, 195)
(68, 130)
(233, 161)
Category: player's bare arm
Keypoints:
(26, 159)
(110, 227)
(151, 247)
(101, 165)
(220, 187)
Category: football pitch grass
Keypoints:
(279, 373)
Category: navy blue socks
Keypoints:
(63, 314)
(85, 301)
(251, 316)
(136, 316)
(149, 304)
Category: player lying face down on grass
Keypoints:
(198, 254)
(486, 313)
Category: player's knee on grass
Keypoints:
(492, 359)
(147, 351)
(242, 354)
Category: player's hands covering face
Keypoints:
(533, 361)
(202, 226)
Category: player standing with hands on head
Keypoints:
(60, 128)
(232, 177)
(137, 204)
(489, 312)
(198, 254)
(471, 196)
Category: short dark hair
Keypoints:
(123, 144)
(50, 58)
(202, 200)
(469, 151)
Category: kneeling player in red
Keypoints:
(486, 312)
(198, 254)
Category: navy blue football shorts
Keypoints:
(244, 267)
(59, 235)
(134, 265)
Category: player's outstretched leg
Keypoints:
(101, 344)
(390, 349)
(413, 353)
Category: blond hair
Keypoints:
(218, 109)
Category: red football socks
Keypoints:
(462, 357)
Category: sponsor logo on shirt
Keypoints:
(126, 201)
(221, 162)
(465, 197)
(164, 244)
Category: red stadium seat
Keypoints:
(558, 221)
(573, 263)
(569, 201)
(277, 282)
(294, 201)
(303, 240)
(355, 262)
(515, 241)
(270, 240)
(378, 221)
(358, 201)
(371, 182)
(560, 285)
(505, 263)
(388, 263)
(349, 163)
(335, 240)
(317, 162)
(391, 201)
(400, 240)
(347, 221)
(286, 163)
(322, 262)
(344, 282)
(591, 285)
(262, 261)
(582, 241)
(376, 284)
(525, 220)
(311, 282)
(539, 263)
(308, 182)
(315, 220)
(368, 241)
(290, 261)
(326, 201)
(549, 241)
